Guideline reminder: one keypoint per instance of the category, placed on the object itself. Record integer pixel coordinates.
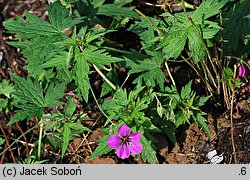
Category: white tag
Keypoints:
(214, 158)
(211, 154)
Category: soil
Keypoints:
(193, 146)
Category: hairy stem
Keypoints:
(40, 142)
(104, 77)
(205, 46)
(169, 73)
(161, 34)
(93, 94)
(231, 117)
(183, 5)
(209, 88)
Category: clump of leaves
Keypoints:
(31, 160)
(9, 99)
(183, 107)
(32, 99)
(129, 108)
(37, 38)
(236, 34)
(183, 32)
(61, 128)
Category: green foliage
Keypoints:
(62, 128)
(31, 160)
(236, 19)
(1, 142)
(8, 100)
(148, 153)
(183, 107)
(130, 109)
(150, 66)
(37, 38)
(183, 32)
(102, 148)
(94, 10)
(60, 17)
(6, 88)
(32, 98)
(228, 79)
(56, 60)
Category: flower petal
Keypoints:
(114, 141)
(123, 152)
(242, 71)
(248, 86)
(135, 136)
(135, 147)
(124, 130)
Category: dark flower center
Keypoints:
(126, 140)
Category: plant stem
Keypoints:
(231, 117)
(7, 143)
(18, 139)
(183, 5)
(161, 33)
(199, 74)
(40, 141)
(169, 73)
(104, 77)
(205, 46)
(93, 94)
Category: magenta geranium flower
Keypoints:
(248, 86)
(125, 142)
(71, 93)
(242, 71)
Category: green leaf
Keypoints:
(102, 148)
(29, 90)
(82, 72)
(173, 44)
(37, 40)
(6, 88)
(31, 29)
(201, 121)
(59, 60)
(26, 111)
(32, 100)
(115, 10)
(182, 31)
(65, 138)
(200, 101)
(53, 93)
(151, 68)
(78, 127)
(146, 31)
(1, 142)
(169, 129)
(53, 140)
(195, 45)
(186, 91)
(99, 57)
(60, 17)
(70, 107)
(148, 153)
(236, 32)
(3, 103)
(207, 9)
